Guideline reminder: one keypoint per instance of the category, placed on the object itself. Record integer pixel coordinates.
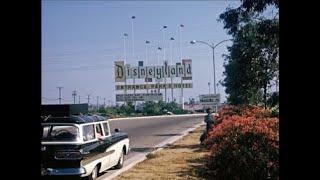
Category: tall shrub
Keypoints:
(244, 145)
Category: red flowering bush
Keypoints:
(244, 145)
(245, 111)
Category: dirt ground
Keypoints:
(183, 159)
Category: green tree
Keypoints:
(273, 100)
(253, 58)
(151, 108)
(126, 109)
(161, 107)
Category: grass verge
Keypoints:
(183, 159)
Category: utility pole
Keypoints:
(209, 88)
(59, 94)
(88, 99)
(74, 94)
(97, 103)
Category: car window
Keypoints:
(88, 132)
(106, 129)
(60, 133)
(99, 130)
(45, 131)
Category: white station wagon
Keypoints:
(79, 145)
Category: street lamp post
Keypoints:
(212, 46)
(164, 59)
(132, 34)
(182, 99)
(158, 55)
(133, 55)
(159, 49)
(163, 41)
(125, 35)
(147, 79)
(171, 47)
(147, 43)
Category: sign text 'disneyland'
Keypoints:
(125, 71)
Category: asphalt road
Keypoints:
(145, 134)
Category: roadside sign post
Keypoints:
(210, 101)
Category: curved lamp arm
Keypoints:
(205, 43)
(222, 42)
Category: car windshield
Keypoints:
(60, 133)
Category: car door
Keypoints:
(91, 147)
(105, 142)
(113, 146)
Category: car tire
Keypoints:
(94, 174)
(120, 161)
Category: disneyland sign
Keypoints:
(126, 71)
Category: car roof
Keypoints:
(75, 119)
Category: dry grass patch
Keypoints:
(183, 159)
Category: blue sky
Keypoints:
(82, 39)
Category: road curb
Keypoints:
(143, 156)
(162, 116)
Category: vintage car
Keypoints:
(78, 144)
